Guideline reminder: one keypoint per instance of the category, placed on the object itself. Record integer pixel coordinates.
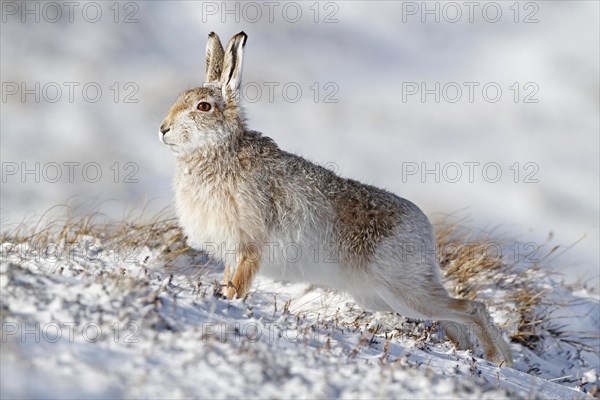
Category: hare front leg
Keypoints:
(226, 281)
(244, 273)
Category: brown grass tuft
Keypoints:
(507, 276)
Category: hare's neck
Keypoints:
(208, 165)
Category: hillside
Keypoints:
(125, 310)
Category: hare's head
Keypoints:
(209, 115)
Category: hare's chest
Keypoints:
(209, 216)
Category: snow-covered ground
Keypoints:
(85, 324)
(356, 67)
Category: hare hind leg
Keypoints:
(456, 316)
(457, 333)
(474, 313)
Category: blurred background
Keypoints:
(487, 111)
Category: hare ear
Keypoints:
(214, 58)
(232, 66)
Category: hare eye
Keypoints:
(204, 106)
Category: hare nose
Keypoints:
(164, 129)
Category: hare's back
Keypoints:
(363, 216)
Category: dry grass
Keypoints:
(134, 231)
(506, 275)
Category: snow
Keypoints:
(95, 327)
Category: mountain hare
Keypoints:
(256, 207)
